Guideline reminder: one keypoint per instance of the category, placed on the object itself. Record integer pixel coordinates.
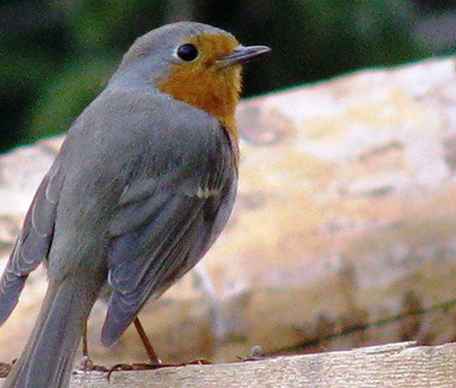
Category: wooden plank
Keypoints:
(393, 365)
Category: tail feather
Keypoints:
(48, 357)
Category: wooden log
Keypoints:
(343, 233)
(394, 365)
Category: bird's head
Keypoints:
(194, 63)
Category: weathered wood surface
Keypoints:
(394, 365)
(344, 233)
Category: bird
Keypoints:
(142, 186)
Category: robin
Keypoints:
(142, 186)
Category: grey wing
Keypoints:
(33, 244)
(158, 235)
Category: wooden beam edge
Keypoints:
(400, 365)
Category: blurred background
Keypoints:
(55, 56)
(344, 229)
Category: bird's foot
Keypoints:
(152, 366)
(87, 365)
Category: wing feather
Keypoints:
(164, 224)
(146, 259)
(33, 244)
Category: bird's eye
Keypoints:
(187, 52)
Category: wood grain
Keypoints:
(393, 365)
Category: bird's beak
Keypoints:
(241, 55)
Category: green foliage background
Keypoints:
(55, 56)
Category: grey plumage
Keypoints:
(137, 204)
(33, 244)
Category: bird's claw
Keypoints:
(130, 367)
(150, 366)
(87, 365)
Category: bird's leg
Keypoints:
(154, 360)
(86, 363)
(201, 278)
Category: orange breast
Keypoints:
(203, 85)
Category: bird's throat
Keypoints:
(214, 91)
